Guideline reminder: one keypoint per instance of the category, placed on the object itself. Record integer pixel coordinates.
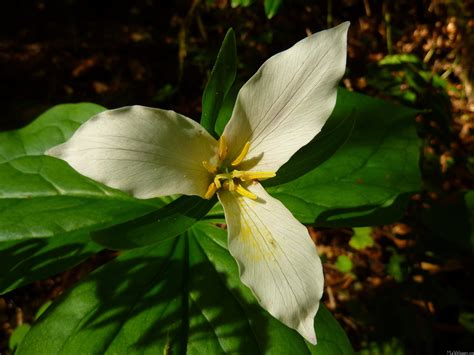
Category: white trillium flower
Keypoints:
(151, 152)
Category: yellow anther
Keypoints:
(242, 154)
(217, 182)
(244, 192)
(225, 177)
(211, 168)
(222, 150)
(211, 190)
(253, 175)
(258, 175)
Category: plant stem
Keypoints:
(329, 14)
(388, 26)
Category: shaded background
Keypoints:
(390, 297)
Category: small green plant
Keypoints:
(344, 263)
(361, 238)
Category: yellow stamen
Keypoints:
(222, 150)
(211, 190)
(244, 192)
(211, 168)
(253, 175)
(225, 177)
(242, 155)
(217, 182)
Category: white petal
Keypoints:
(144, 151)
(276, 257)
(286, 103)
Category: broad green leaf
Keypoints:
(167, 222)
(51, 128)
(132, 303)
(272, 7)
(369, 179)
(362, 238)
(41, 197)
(332, 339)
(179, 296)
(221, 80)
(29, 260)
(18, 335)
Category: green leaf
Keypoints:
(396, 267)
(332, 339)
(243, 3)
(344, 263)
(227, 107)
(29, 260)
(399, 59)
(18, 335)
(221, 80)
(369, 179)
(41, 197)
(179, 296)
(392, 346)
(51, 128)
(43, 309)
(168, 222)
(362, 238)
(466, 319)
(272, 7)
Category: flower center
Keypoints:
(226, 177)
